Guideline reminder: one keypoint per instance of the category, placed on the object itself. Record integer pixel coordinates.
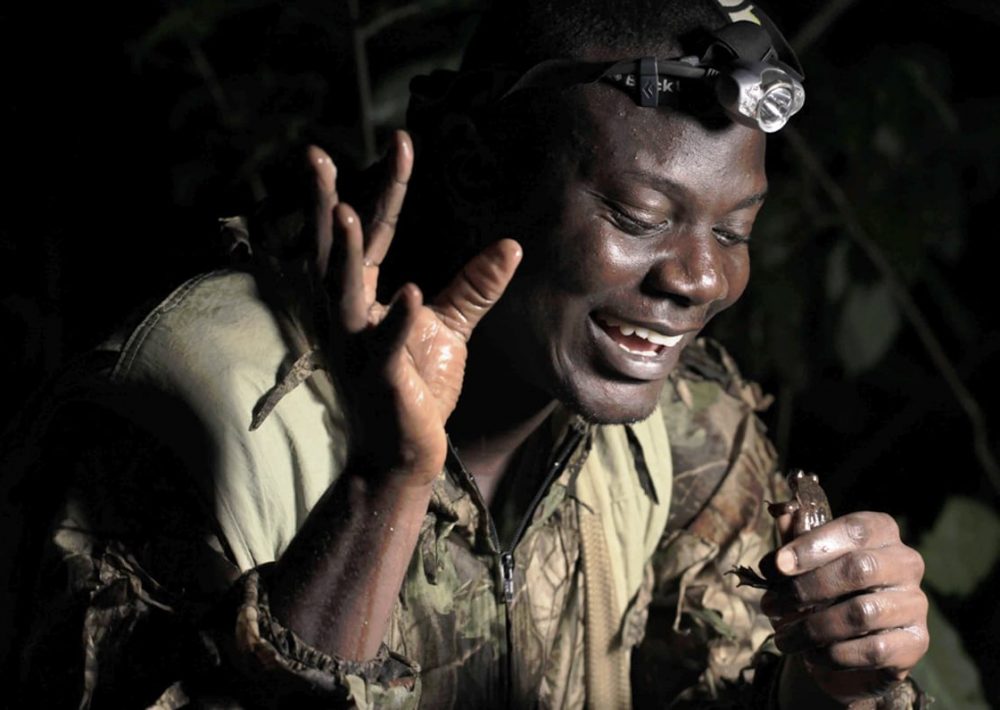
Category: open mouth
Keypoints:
(636, 339)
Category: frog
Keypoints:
(809, 508)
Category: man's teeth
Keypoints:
(644, 333)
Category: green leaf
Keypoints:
(868, 324)
(947, 673)
(962, 547)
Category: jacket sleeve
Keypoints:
(126, 595)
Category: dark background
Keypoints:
(871, 314)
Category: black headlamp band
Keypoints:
(654, 77)
(786, 54)
(748, 69)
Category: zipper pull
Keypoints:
(507, 576)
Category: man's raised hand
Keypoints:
(400, 364)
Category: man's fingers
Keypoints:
(346, 270)
(853, 618)
(325, 180)
(382, 228)
(826, 543)
(856, 571)
(479, 285)
(894, 649)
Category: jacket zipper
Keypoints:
(505, 558)
(565, 450)
(507, 576)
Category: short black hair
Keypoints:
(521, 33)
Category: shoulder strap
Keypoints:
(624, 493)
(606, 662)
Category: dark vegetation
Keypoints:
(870, 315)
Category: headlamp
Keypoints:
(760, 95)
(757, 94)
(741, 69)
(748, 70)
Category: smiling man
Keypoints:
(527, 491)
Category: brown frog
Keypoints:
(809, 508)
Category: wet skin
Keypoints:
(639, 215)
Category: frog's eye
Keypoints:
(814, 477)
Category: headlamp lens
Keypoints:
(759, 96)
(775, 108)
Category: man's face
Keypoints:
(634, 231)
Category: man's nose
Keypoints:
(689, 269)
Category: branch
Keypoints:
(819, 24)
(364, 81)
(390, 17)
(904, 300)
(211, 79)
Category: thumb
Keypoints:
(463, 303)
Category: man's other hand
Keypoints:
(852, 606)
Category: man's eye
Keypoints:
(730, 238)
(633, 225)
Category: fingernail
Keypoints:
(327, 176)
(343, 216)
(401, 142)
(785, 560)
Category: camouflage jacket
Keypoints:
(153, 513)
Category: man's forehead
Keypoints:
(644, 140)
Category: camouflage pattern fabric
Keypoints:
(129, 595)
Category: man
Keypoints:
(528, 491)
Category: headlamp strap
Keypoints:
(786, 55)
(649, 83)
(740, 40)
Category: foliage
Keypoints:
(959, 551)
(962, 547)
(878, 134)
(905, 158)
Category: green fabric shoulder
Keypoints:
(710, 413)
(707, 643)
